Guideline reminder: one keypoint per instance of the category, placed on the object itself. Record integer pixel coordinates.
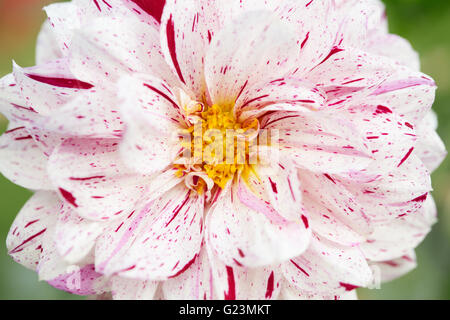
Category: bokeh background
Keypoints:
(426, 23)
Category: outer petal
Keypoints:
(335, 213)
(195, 283)
(91, 178)
(108, 48)
(291, 292)
(24, 241)
(75, 236)
(91, 114)
(129, 289)
(271, 239)
(78, 279)
(21, 160)
(236, 283)
(430, 147)
(396, 238)
(395, 268)
(47, 48)
(66, 18)
(46, 88)
(389, 137)
(407, 93)
(162, 240)
(62, 20)
(328, 268)
(394, 47)
(394, 194)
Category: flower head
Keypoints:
(208, 149)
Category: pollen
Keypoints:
(219, 144)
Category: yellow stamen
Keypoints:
(214, 162)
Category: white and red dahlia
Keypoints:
(96, 126)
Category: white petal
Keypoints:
(291, 292)
(408, 93)
(47, 87)
(196, 283)
(394, 47)
(24, 241)
(79, 279)
(21, 160)
(235, 60)
(75, 236)
(319, 141)
(235, 283)
(91, 177)
(270, 240)
(351, 67)
(264, 97)
(392, 269)
(161, 240)
(47, 48)
(108, 48)
(91, 114)
(328, 268)
(396, 238)
(335, 212)
(393, 194)
(430, 148)
(129, 289)
(153, 120)
(282, 187)
(187, 29)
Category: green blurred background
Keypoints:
(426, 23)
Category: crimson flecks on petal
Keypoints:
(124, 89)
(152, 7)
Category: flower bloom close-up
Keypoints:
(323, 187)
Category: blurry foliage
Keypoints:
(425, 23)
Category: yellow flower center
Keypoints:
(219, 144)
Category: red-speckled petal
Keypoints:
(75, 236)
(129, 289)
(187, 29)
(80, 279)
(254, 52)
(109, 48)
(397, 237)
(430, 148)
(319, 141)
(351, 67)
(47, 87)
(99, 188)
(196, 283)
(47, 48)
(271, 239)
(24, 241)
(160, 240)
(153, 119)
(392, 269)
(22, 161)
(237, 283)
(328, 268)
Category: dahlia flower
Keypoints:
(123, 89)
